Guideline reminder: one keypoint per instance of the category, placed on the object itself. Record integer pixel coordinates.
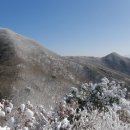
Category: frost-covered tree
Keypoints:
(96, 106)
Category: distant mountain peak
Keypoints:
(113, 54)
(112, 57)
(117, 62)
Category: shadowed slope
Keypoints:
(117, 62)
(28, 71)
(8, 63)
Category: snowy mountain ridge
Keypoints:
(28, 70)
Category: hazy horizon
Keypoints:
(76, 28)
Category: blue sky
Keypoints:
(71, 27)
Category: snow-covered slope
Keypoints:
(29, 71)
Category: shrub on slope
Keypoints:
(90, 107)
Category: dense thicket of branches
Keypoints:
(100, 106)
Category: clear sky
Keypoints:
(71, 27)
